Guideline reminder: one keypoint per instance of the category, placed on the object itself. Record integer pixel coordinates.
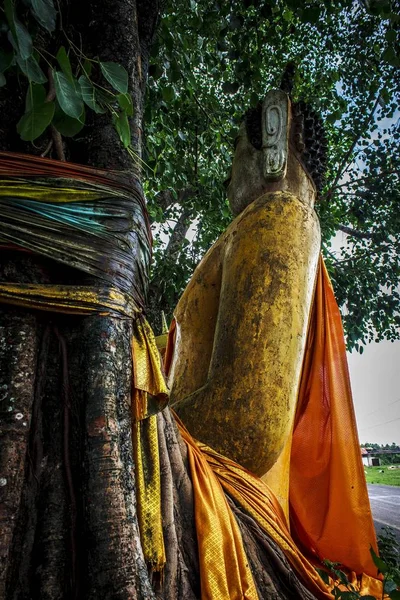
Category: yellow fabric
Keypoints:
(150, 392)
(148, 484)
(149, 385)
(211, 473)
(94, 221)
(224, 569)
(19, 188)
(68, 299)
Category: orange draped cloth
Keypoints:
(329, 507)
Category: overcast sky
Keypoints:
(375, 381)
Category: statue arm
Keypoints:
(245, 407)
(196, 316)
(251, 305)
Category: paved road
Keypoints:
(385, 505)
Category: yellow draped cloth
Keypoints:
(329, 506)
(94, 221)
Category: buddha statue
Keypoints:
(257, 368)
(241, 324)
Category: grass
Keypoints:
(388, 477)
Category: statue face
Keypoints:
(247, 180)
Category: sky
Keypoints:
(375, 381)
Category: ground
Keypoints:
(388, 477)
(385, 505)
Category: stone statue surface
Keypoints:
(258, 374)
(241, 324)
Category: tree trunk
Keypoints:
(68, 520)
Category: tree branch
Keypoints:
(362, 235)
(366, 178)
(344, 164)
(334, 258)
(166, 198)
(179, 233)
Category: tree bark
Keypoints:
(68, 520)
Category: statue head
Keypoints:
(276, 150)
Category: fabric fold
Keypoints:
(329, 505)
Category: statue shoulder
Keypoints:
(263, 204)
(206, 275)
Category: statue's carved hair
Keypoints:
(252, 119)
(309, 138)
(313, 145)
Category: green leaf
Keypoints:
(254, 99)
(391, 57)
(155, 71)
(10, 16)
(31, 69)
(2, 80)
(230, 87)
(24, 40)
(125, 102)
(35, 96)
(67, 95)
(379, 563)
(287, 15)
(168, 93)
(65, 65)
(236, 22)
(12, 41)
(116, 75)
(9, 12)
(19, 33)
(45, 13)
(87, 67)
(34, 122)
(395, 595)
(389, 54)
(332, 117)
(104, 96)
(390, 586)
(311, 15)
(6, 59)
(324, 576)
(66, 125)
(391, 35)
(122, 126)
(88, 93)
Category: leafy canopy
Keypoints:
(211, 61)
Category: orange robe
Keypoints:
(330, 516)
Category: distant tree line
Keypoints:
(386, 459)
